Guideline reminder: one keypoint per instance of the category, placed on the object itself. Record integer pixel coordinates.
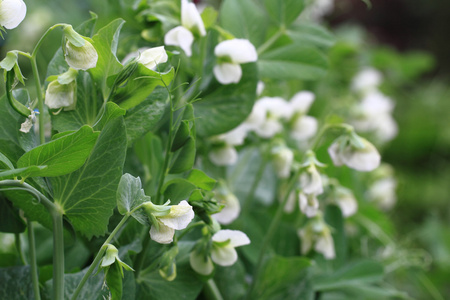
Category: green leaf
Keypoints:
(293, 62)
(129, 193)
(244, 19)
(16, 283)
(140, 85)
(310, 34)
(201, 180)
(114, 281)
(5, 162)
(23, 172)
(231, 276)
(353, 274)
(284, 12)
(10, 220)
(228, 105)
(63, 155)
(143, 117)
(112, 111)
(284, 278)
(185, 158)
(182, 136)
(178, 189)
(88, 195)
(105, 42)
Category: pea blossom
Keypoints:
(230, 211)
(232, 53)
(317, 234)
(12, 13)
(79, 52)
(61, 92)
(151, 57)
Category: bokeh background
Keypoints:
(409, 42)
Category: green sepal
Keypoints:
(74, 37)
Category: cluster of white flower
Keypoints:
(374, 112)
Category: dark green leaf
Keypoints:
(15, 283)
(284, 12)
(310, 34)
(185, 158)
(201, 180)
(10, 221)
(63, 155)
(114, 281)
(178, 189)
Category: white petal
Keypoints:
(236, 136)
(275, 107)
(325, 245)
(376, 103)
(269, 128)
(191, 19)
(366, 80)
(164, 235)
(304, 128)
(224, 156)
(306, 238)
(335, 155)
(260, 88)
(364, 160)
(152, 57)
(12, 13)
(290, 204)
(282, 161)
(179, 216)
(238, 50)
(348, 204)
(60, 95)
(224, 256)
(181, 37)
(201, 264)
(231, 210)
(311, 181)
(81, 58)
(227, 73)
(301, 102)
(308, 205)
(237, 238)
(26, 126)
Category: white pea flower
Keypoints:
(362, 157)
(225, 155)
(231, 54)
(368, 79)
(316, 233)
(302, 101)
(111, 257)
(230, 211)
(61, 92)
(224, 242)
(79, 52)
(236, 136)
(150, 58)
(383, 193)
(325, 245)
(164, 225)
(311, 181)
(346, 201)
(319, 8)
(266, 116)
(201, 263)
(12, 13)
(290, 203)
(191, 23)
(309, 205)
(282, 161)
(304, 128)
(260, 88)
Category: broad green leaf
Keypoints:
(201, 180)
(111, 112)
(353, 274)
(185, 158)
(186, 286)
(178, 189)
(23, 172)
(87, 107)
(228, 105)
(15, 283)
(244, 19)
(88, 195)
(140, 85)
(284, 12)
(310, 34)
(293, 62)
(63, 155)
(143, 117)
(129, 193)
(284, 278)
(10, 220)
(105, 42)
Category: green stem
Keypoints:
(58, 256)
(18, 245)
(212, 290)
(99, 256)
(40, 97)
(271, 41)
(33, 263)
(271, 231)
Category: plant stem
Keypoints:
(99, 256)
(18, 245)
(58, 256)
(272, 40)
(212, 290)
(40, 97)
(33, 263)
(271, 231)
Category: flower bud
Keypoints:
(79, 53)
(61, 92)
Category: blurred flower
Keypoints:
(267, 113)
(317, 233)
(308, 204)
(383, 193)
(230, 211)
(346, 201)
(303, 127)
(311, 181)
(367, 80)
(166, 219)
(282, 160)
(319, 8)
(225, 155)
(12, 13)
(302, 101)
(150, 58)
(223, 152)
(232, 53)
(191, 23)
(260, 88)
(355, 152)
(61, 91)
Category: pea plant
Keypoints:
(173, 154)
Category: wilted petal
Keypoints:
(238, 50)
(163, 235)
(200, 263)
(223, 156)
(152, 57)
(227, 73)
(12, 13)
(26, 126)
(237, 238)
(181, 37)
(179, 216)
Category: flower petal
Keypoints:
(12, 13)
(304, 128)
(152, 57)
(179, 216)
(81, 58)
(60, 95)
(224, 256)
(201, 264)
(163, 235)
(224, 156)
(302, 101)
(231, 210)
(191, 19)
(227, 73)
(181, 37)
(238, 50)
(237, 238)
